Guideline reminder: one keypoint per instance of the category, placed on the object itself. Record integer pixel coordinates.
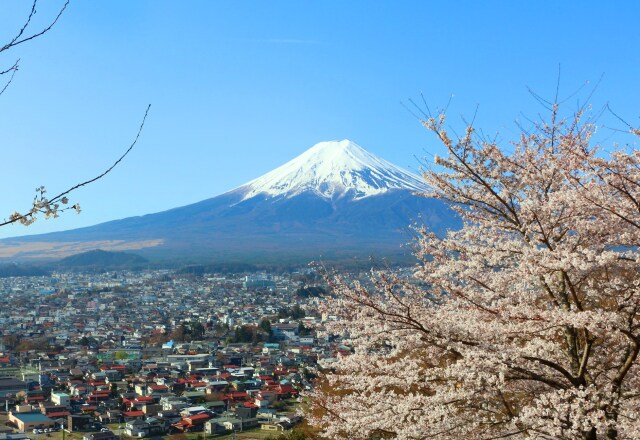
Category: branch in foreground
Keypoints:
(51, 207)
(13, 69)
(18, 39)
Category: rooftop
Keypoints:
(31, 417)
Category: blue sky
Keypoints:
(238, 88)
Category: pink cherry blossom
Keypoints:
(522, 324)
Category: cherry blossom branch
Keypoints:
(51, 207)
(533, 330)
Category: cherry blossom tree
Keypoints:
(524, 323)
(43, 204)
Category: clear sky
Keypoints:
(238, 88)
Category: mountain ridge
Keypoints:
(335, 199)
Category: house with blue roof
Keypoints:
(27, 421)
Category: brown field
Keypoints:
(44, 250)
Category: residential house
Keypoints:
(144, 428)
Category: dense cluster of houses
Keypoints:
(117, 306)
(103, 357)
(240, 387)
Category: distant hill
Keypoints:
(21, 270)
(101, 259)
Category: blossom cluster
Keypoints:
(41, 205)
(525, 321)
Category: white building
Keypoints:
(60, 399)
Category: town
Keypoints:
(158, 352)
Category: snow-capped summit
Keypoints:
(332, 170)
(334, 201)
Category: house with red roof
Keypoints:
(285, 391)
(54, 411)
(157, 389)
(189, 423)
(133, 415)
(138, 402)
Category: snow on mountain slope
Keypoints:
(332, 170)
(302, 211)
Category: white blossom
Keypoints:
(529, 325)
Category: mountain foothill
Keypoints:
(335, 201)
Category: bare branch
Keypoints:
(13, 69)
(42, 205)
(18, 39)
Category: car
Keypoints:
(35, 431)
(105, 430)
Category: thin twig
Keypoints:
(13, 70)
(16, 40)
(60, 196)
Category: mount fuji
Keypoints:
(334, 201)
(333, 170)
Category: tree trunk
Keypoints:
(591, 435)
